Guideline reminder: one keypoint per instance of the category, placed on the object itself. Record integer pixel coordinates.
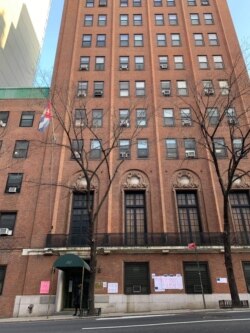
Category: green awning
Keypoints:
(70, 261)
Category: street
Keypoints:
(205, 322)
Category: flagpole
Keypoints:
(199, 272)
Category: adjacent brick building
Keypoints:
(140, 66)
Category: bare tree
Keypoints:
(223, 115)
(73, 120)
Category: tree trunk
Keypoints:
(228, 256)
(93, 263)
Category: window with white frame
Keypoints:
(218, 62)
(140, 88)
(213, 39)
(179, 62)
(88, 20)
(99, 63)
(138, 40)
(194, 18)
(198, 39)
(142, 148)
(124, 88)
(203, 62)
(175, 39)
(224, 87)
(102, 20)
(172, 19)
(182, 89)
(208, 18)
(159, 19)
(124, 19)
(168, 117)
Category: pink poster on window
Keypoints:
(44, 287)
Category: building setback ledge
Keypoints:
(24, 93)
(85, 252)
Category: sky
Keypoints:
(240, 11)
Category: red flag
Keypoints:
(192, 246)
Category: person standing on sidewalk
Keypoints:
(77, 296)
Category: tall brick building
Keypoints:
(146, 67)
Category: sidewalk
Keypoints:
(61, 316)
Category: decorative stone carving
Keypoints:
(81, 184)
(185, 179)
(135, 180)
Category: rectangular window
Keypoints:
(135, 218)
(192, 276)
(14, 183)
(213, 116)
(99, 63)
(172, 19)
(101, 40)
(2, 276)
(186, 119)
(84, 63)
(246, 269)
(220, 147)
(103, 3)
(142, 148)
(237, 147)
(138, 40)
(89, 3)
(231, 116)
(191, 2)
(141, 117)
(102, 20)
(171, 148)
(21, 149)
(124, 63)
(140, 88)
(203, 62)
(218, 62)
(157, 3)
(76, 149)
(124, 40)
(208, 18)
(4, 116)
(204, 2)
(208, 87)
(163, 62)
(80, 118)
(7, 223)
(123, 3)
(86, 40)
(175, 39)
(27, 119)
(161, 40)
(240, 208)
(213, 39)
(124, 149)
(170, 3)
(159, 19)
(79, 229)
(182, 89)
(190, 148)
(95, 149)
(136, 3)
(188, 215)
(124, 117)
(179, 62)
(194, 18)
(123, 19)
(224, 87)
(88, 20)
(98, 88)
(198, 39)
(166, 88)
(168, 117)
(82, 89)
(124, 88)
(139, 63)
(97, 118)
(137, 19)
(136, 278)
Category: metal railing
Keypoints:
(145, 239)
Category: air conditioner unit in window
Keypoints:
(5, 232)
(204, 3)
(166, 92)
(2, 123)
(12, 189)
(238, 153)
(124, 67)
(98, 93)
(84, 67)
(124, 154)
(77, 154)
(164, 66)
(186, 122)
(79, 123)
(209, 91)
(81, 94)
(124, 123)
(232, 121)
(190, 154)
